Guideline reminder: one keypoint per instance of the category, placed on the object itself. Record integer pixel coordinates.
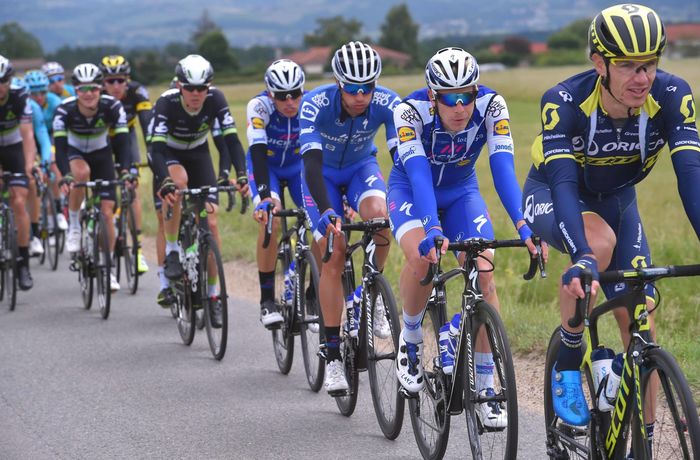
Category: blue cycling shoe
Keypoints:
(567, 397)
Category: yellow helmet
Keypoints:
(115, 65)
(627, 30)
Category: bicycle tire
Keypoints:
(348, 351)
(677, 427)
(130, 249)
(500, 443)
(86, 268)
(566, 441)
(185, 312)
(283, 337)
(10, 252)
(49, 229)
(310, 311)
(428, 410)
(103, 271)
(217, 336)
(381, 361)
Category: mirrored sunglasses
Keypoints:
(452, 99)
(56, 78)
(88, 88)
(356, 88)
(284, 95)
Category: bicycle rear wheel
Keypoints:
(283, 337)
(499, 439)
(676, 426)
(8, 260)
(428, 410)
(101, 254)
(312, 321)
(210, 261)
(49, 229)
(86, 261)
(381, 359)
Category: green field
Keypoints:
(530, 309)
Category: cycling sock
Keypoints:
(267, 285)
(24, 256)
(332, 343)
(570, 355)
(74, 219)
(412, 330)
(35, 229)
(171, 246)
(484, 370)
(213, 287)
(164, 281)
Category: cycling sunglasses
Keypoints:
(197, 88)
(56, 78)
(452, 99)
(356, 88)
(115, 81)
(284, 95)
(88, 88)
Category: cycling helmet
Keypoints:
(36, 81)
(17, 83)
(115, 65)
(356, 62)
(6, 69)
(194, 70)
(627, 30)
(87, 74)
(451, 68)
(284, 75)
(52, 68)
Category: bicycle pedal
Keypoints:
(339, 393)
(273, 326)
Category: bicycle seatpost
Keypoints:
(582, 304)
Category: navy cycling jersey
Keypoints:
(345, 140)
(267, 126)
(136, 102)
(433, 157)
(13, 111)
(175, 128)
(581, 152)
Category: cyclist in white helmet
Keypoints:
(57, 80)
(273, 156)
(433, 192)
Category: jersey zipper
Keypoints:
(286, 144)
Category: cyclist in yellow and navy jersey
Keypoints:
(602, 132)
(134, 98)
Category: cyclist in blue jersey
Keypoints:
(57, 80)
(273, 156)
(602, 132)
(17, 148)
(433, 192)
(338, 123)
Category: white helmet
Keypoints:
(6, 69)
(451, 68)
(284, 75)
(356, 62)
(194, 70)
(52, 68)
(87, 74)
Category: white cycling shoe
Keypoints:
(409, 368)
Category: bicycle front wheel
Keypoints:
(428, 410)
(283, 337)
(311, 321)
(492, 416)
(381, 358)
(211, 269)
(8, 260)
(101, 254)
(49, 229)
(669, 404)
(86, 265)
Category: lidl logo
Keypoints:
(258, 123)
(406, 134)
(502, 128)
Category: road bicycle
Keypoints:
(9, 251)
(444, 394)
(652, 386)
(363, 346)
(49, 232)
(126, 244)
(92, 262)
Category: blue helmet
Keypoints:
(17, 83)
(36, 81)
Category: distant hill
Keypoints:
(133, 23)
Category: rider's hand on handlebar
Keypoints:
(242, 185)
(167, 191)
(526, 236)
(261, 211)
(426, 248)
(65, 183)
(571, 279)
(329, 219)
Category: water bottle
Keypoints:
(601, 360)
(447, 351)
(454, 327)
(356, 302)
(613, 382)
(289, 283)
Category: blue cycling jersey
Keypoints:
(268, 126)
(41, 133)
(582, 152)
(49, 109)
(345, 140)
(434, 158)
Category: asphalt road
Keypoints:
(75, 386)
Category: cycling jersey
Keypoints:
(41, 134)
(49, 110)
(177, 130)
(136, 102)
(344, 140)
(582, 155)
(13, 111)
(85, 135)
(269, 127)
(68, 91)
(435, 160)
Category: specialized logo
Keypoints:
(371, 180)
(550, 116)
(257, 123)
(480, 221)
(406, 208)
(501, 127)
(406, 134)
